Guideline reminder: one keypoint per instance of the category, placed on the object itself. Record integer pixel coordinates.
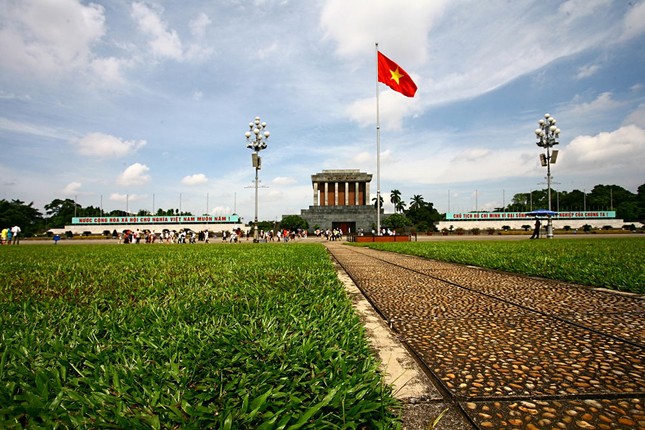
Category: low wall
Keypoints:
(370, 238)
(157, 228)
(517, 224)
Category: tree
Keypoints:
(423, 215)
(89, 211)
(628, 211)
(294, 222)
(417, 202)
(521, 202)
(117, 212)
(397, 221)
(164, 212)
(608, 197)
(628, 206)
(395, 199)
(16, 212)
(400, 207)
(60, 212)
(572, 201)
(640, 202)
(380, 197)
(264, 225)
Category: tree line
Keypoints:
(628, 206)
(419, 213)
(58, 213)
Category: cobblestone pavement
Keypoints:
(512, 352)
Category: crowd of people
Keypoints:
(10, 235)
(166, 236)
(283, 235)
(333, 234)
(189, 236)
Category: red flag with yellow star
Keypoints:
(395, 77)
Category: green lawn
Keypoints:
(181, 336)
(615, 263)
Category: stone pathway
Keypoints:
(508, 351)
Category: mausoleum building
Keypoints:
(341, 199)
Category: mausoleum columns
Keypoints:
(348, 187)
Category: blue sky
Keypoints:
(145, 104)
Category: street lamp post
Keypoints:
(256, 139)
(547, 135)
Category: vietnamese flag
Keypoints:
(395, 77)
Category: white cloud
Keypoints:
(196, 179)
(49, 38)
(624, 146)
(457, 51)
(601, 104)
(198, 52)
(11, 96)
(434, 165)
(608, 157)
(164, 42)
(72, 188)
(104, 145)
(637, 117)
(587, 70)
(572, 10)
(634, 24)
(110, 69)
(126, 198)
(393, 108)
(473, 155)
(357, 25)
(221, 210)
(136, 174)
(266, 52)
(386, 155)
(362, 157)
(283, 180)
(198, 25)
(33, 129)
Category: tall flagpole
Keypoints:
(378, 155)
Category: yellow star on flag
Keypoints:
(392, 75)
(396, 75)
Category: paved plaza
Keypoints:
(505, 351)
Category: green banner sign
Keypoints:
(223, 219)
(492, 216)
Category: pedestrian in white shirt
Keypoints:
(15, 230)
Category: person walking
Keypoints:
(536, 230)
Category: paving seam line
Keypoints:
(447, 397)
